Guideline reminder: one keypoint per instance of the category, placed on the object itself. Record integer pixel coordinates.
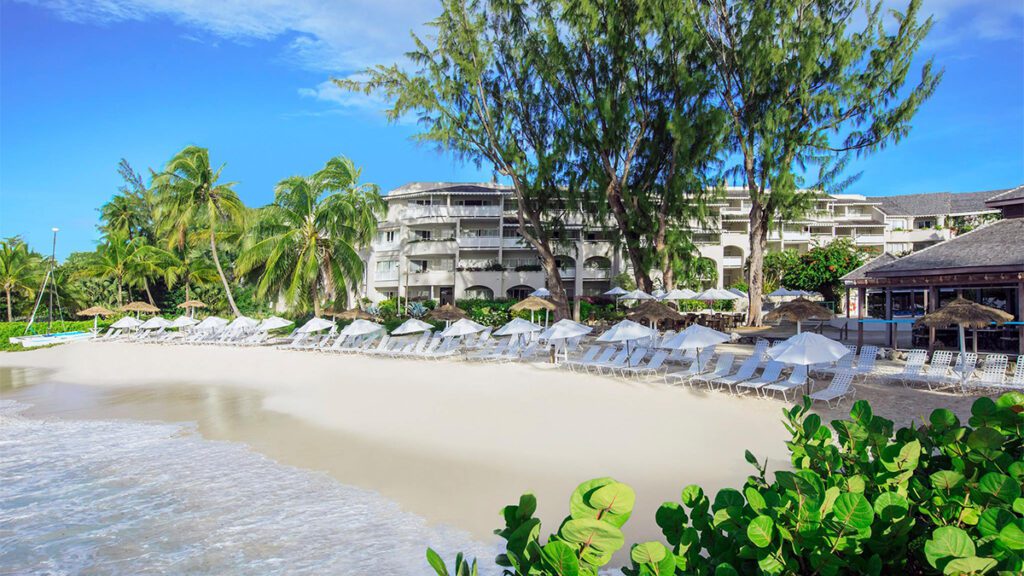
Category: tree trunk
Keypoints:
(149, 295)
(223, 278)
(316, 301)
(9, 313)
(631, 239)
(120, 299)
(187, 294)
(755, 275)
(553, 281)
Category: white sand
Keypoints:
(450, 440)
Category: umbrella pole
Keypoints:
(797, 326)
(95, 324)
(963, 350)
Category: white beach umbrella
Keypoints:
(518, 326)
(211, 323)
(716, 294)
(541, 293)
(316, 324)
(679, 294)
(658, 294)
(361, 328)
(615, 292)
(738, 292)
(273, 323)
(126, 323)
(564, 329)
(243, 323)
(184, 322)
(784, 292)
(411, 326)
(626, 331)
(807, 348)
(696, 337)
(463, 327)
(636, 295)
(154, 323)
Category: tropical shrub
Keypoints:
(861, 498)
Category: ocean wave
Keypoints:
(119, 497)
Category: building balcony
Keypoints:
(790, 236)
(597, 273)
(567, 272)
(919, 235)
(386, 276)
(431, 248)
(386, 246)
(444, 211)
(490, 242)
(732, 262)
(431, 278)
(869, 239)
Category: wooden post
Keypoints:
(888, 317)
(933, 300)
(862, 296)
(1020, 318)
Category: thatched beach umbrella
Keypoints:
(96, 312)
(533, 304)
(964, 314)
(654, 312)
(351, 314)
(140, 307)
(799, 310)
(448, 313)
(191, 305)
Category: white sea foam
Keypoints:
(115, 497)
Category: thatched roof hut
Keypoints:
(96, 311)
(142, 307)
(447, 313)
(653, 312)
(532, 303)
(965, 313)
(192, 304)
(350, 314)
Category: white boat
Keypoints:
(48, 339)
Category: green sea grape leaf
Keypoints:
(946, 480)
(1012, 535)
(890, 506)
(561, 558)
(691, 495)
(985, 439)
(603, 499)
(724, 569)
(596, 540)
(948, 543)
(854, 511)
(861, 412)
(760, 531)
(1018, 506)
(969, 565)
(754, 498)
(1000, 487)
(648, 553)
(942, 419)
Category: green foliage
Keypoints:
(861, 498)
(821, 268)
(624, 281)
(21, 272)
(9, 329)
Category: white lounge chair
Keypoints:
(604, 357)
(618, 361)
(652, 367)
(844, 363)
(744, 372)
(837, 390)
(912, 368)
(797, 380)
(588, 356)
(698, 371)
(866, 361)
(635, 359)
(771, 374)
(935, 374)
(993, 372)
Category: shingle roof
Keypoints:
(876, 262)
(994, 246)
(449, 187)
(1011, 194)
(937, 203)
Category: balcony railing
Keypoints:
(490, 242)
(732, 262)
(869, 239)
(386, 275)
(597, 273)
(444, 211)
(567, 272)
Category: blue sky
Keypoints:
(84, 83)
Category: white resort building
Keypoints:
(448, 240)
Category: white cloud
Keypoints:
(335, 36)
(962, 23)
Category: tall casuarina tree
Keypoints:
(190, 199)
(802, 87)
(305, 245)
(475, 90)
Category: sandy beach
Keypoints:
(450, 441)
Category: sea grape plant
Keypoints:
(943, 497)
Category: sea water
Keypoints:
(121, 497)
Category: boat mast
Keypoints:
(53, 260)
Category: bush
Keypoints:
(9, 329)
(941, 498)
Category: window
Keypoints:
(479, 292)
(387, 265)
(479, 232)
(422, 234)
(417, 266)
(472, 203)
(519, 292)
(386, 236)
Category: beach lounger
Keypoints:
(844, 363)
(993, 372)
(797, 380)
(745, 372)
(698, 371)
(1016, 380)
(588, 356)
(634, 359)
(937, 370)
(760, 348)
(963, 370)
(772, 373)
(866, 361)
(617, 361)
(912, 368)
(653, 366)
(487, 353)
(837, 390)
(604, 357)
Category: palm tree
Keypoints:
(192, 269)
(190, 199)
(305, 245)
(19, 271)
(128, 263)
